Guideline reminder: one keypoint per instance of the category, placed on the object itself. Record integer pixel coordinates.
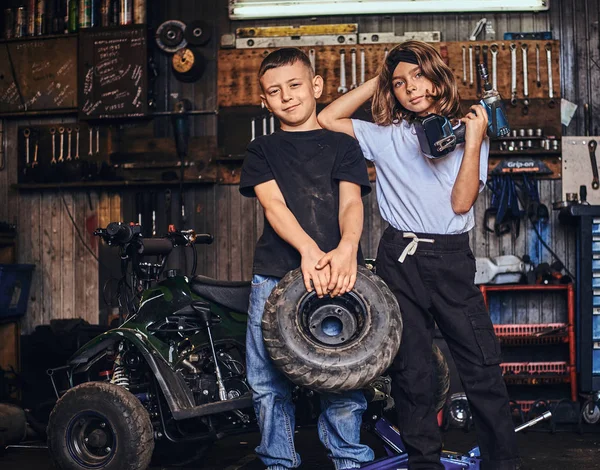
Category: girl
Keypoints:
(424, 255)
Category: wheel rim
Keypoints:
(332, 322)
(91, 439)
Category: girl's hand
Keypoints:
(476, 123)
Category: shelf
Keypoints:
(532, 334)
(106, 184)
(538, 373)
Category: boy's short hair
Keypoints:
(281, 57)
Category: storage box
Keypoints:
(15, 282)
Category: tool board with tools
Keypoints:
(63, 153)
(95, 153)
(525, 72)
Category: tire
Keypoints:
(442, 378)
(108, 415)
(332, 345)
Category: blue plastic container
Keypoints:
(15, 282)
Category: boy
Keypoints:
(302, 176)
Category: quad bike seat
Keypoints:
(231, 294)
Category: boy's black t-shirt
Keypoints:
(307, 167)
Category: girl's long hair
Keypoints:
(386, 108)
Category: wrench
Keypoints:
(362, 66)
(313, 59)
(592, 148)
(97, 140)
(27, 133)
(53, 134)
(552, 103)
(342, 88)
(61, 131)
(477, 61)
(253, 129)
(464, 63)
(513, 74)
(524, 49)
(35, 155)
(538, 77)
(77, 143)
(353, 85)
(69, 131)
(484, 50)
(90, 153)
(470, 65)
(494, 49)
(271, 123)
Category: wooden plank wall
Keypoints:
(46, 236)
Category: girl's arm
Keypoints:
(466, 186)
(336, 116)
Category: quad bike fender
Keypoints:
(176, 392)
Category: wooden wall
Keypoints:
(66, 282)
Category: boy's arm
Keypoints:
(342, 260)
(287, 227)
(466, 186)
(336, 116)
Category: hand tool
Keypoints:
(97, 140)
(353, 85)
(296, 36)
(513, 74)
(548, 48)
(271, 123)
(90, 153)
(69, 132)
(252, 129)
(494, 50)
(313, 59)
(342, 88)
(362, 66)
(464, 64)
(470, 65)
(61, 131)
(478, 61)
(392, 38)
(538, 77)
(484, 50)
(27, 133)
(592, 144)
(76, 142)
(53, 134)
(524, 49)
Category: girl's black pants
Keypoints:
(435, 286)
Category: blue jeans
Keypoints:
(341, 415)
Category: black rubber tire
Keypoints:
(442, 378)
(325, 368)
(123, 416)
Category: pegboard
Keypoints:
(238, 69)
(577, 167)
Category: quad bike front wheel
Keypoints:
(100, 425)
(332, 344)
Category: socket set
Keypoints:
(523, 140)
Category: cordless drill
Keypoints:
(438, 137)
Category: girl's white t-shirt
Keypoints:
(414, 191)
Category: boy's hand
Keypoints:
(319, 277)
(343, 265)
(477, 124)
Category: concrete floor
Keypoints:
(540, 451)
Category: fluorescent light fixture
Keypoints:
(256, 9)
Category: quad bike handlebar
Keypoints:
(121, 234)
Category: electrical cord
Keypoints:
(544, 244)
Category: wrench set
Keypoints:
(65, 152)
(523, 70)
